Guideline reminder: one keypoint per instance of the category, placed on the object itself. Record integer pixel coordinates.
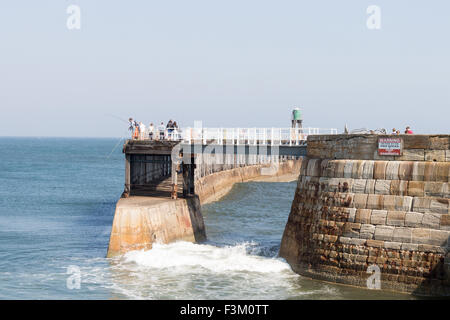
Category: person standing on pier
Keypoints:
(131, 126)
(175, 131)
(151, 129)
(408, 130)
(136, 130)
(169, 129)
(141, 131)
(161, 129)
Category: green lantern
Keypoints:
(296, 114)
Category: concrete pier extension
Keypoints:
(141, 221)
(354, 208)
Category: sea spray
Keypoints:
(203, 256)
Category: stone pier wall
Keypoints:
(353, 209)
(213, 186)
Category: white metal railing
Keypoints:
(237, 136)
(157, 134)
(251, 136)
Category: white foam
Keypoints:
(183, 270)
(216, 259)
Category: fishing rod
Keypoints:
(117, 117)
(122, 138)
(117, 144)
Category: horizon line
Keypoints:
(65, 137)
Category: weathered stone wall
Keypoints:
(350, 214)
(364, 147)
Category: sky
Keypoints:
(230, 63)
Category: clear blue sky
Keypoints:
(228, 63)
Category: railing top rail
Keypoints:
(255, 135)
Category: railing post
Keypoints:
(291, 132)
(271, 136)
(174, 175)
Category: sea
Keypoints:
(57, 201)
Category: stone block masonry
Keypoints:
(354, 208)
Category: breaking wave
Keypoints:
(177, 255)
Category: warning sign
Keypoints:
(390, 146)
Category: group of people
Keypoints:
(139, 131)
(397, 132)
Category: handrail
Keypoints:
(238, 136)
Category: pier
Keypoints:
(167, 181)
(361, 199)
(163, 167)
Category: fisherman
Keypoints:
(136, 130)
(131, 126)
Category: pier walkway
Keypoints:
(169, 165)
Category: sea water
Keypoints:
(57, 200)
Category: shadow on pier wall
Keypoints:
(437, 278)
(195, 213)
